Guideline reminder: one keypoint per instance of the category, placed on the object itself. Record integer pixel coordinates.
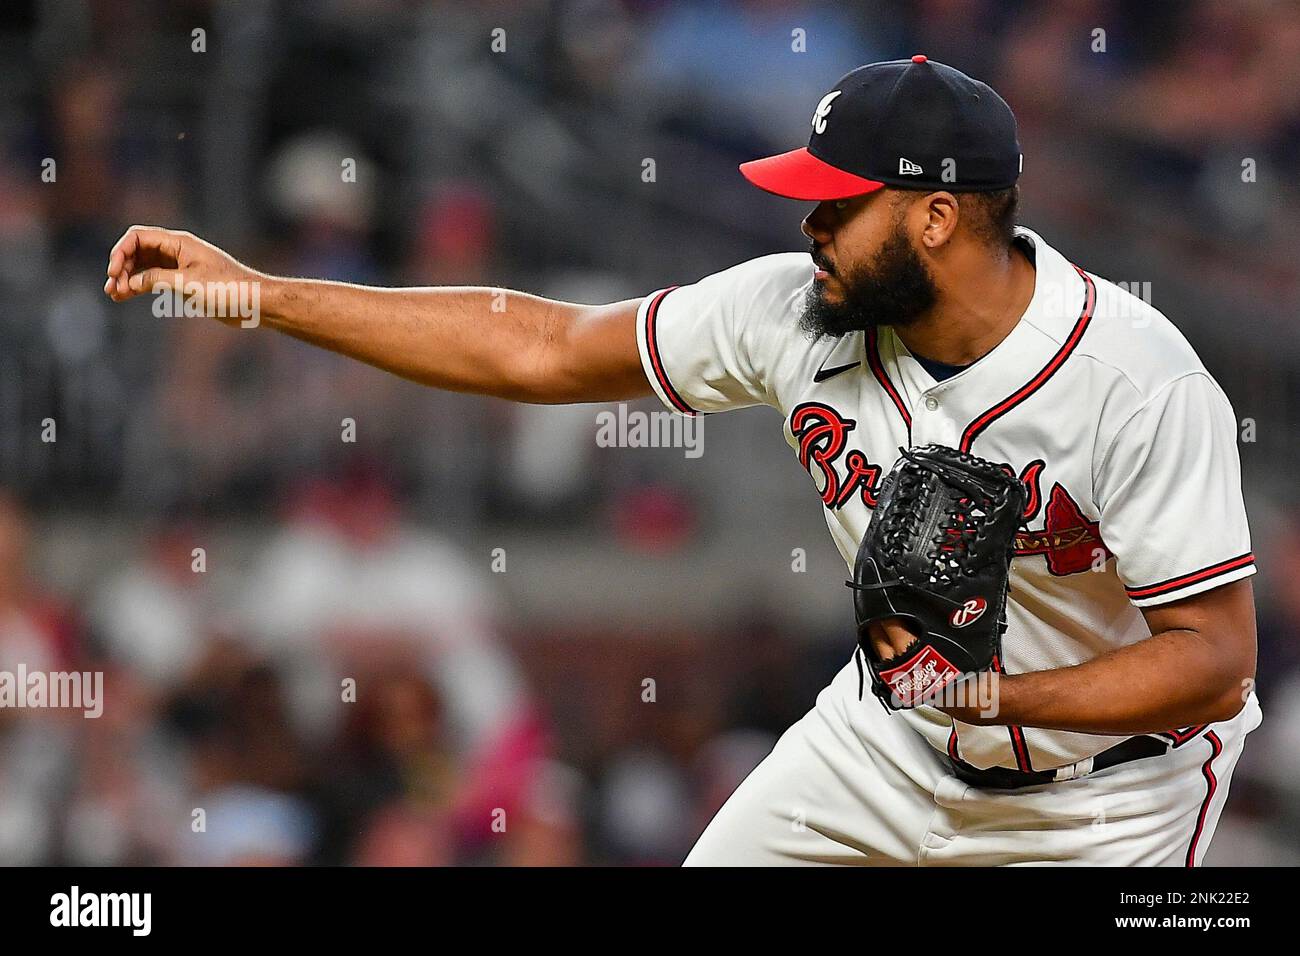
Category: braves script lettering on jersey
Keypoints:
(1127, 448)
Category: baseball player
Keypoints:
(921, 315)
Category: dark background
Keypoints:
(481, 692)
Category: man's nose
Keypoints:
(816, 225)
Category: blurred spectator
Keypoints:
(35, 630)
(152, 612)
(641, 819)
(37, 634)
(548, 827)
(247, 826)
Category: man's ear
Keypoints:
(938, 218)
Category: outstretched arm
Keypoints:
(466, 339)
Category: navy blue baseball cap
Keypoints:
(912, 124)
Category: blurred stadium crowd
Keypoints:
(200, 532)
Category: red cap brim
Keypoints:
(799, 174)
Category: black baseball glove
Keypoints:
(937, 554)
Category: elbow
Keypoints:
(1230, 701)
(539, 374)
(529, 376)
(552, 376)
(1227, 672)
(521, 388)
(1224, 710)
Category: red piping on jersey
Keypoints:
(1173, 584)
(878, 370)
(652, 346)
(1038, 381)
(1017, 734)
(1021, 748)
(1211, 785)
(1181, 736)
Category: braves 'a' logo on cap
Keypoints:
(823, 110)
(908, 168)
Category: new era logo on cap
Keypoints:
(893, 122)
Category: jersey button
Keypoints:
(931, 403)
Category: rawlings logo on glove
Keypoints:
(969, 612)
(936, 557)
(923, 674)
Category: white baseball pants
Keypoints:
(847, 784)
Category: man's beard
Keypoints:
(894, 288)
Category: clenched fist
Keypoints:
(198, 274)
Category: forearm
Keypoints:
(463, 339)
(1173, 679)
(490, 341)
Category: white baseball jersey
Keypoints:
(1125, 443)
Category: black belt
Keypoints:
(1004, 778)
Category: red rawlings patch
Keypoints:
(922, 675)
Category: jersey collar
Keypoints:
(1048, 332)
